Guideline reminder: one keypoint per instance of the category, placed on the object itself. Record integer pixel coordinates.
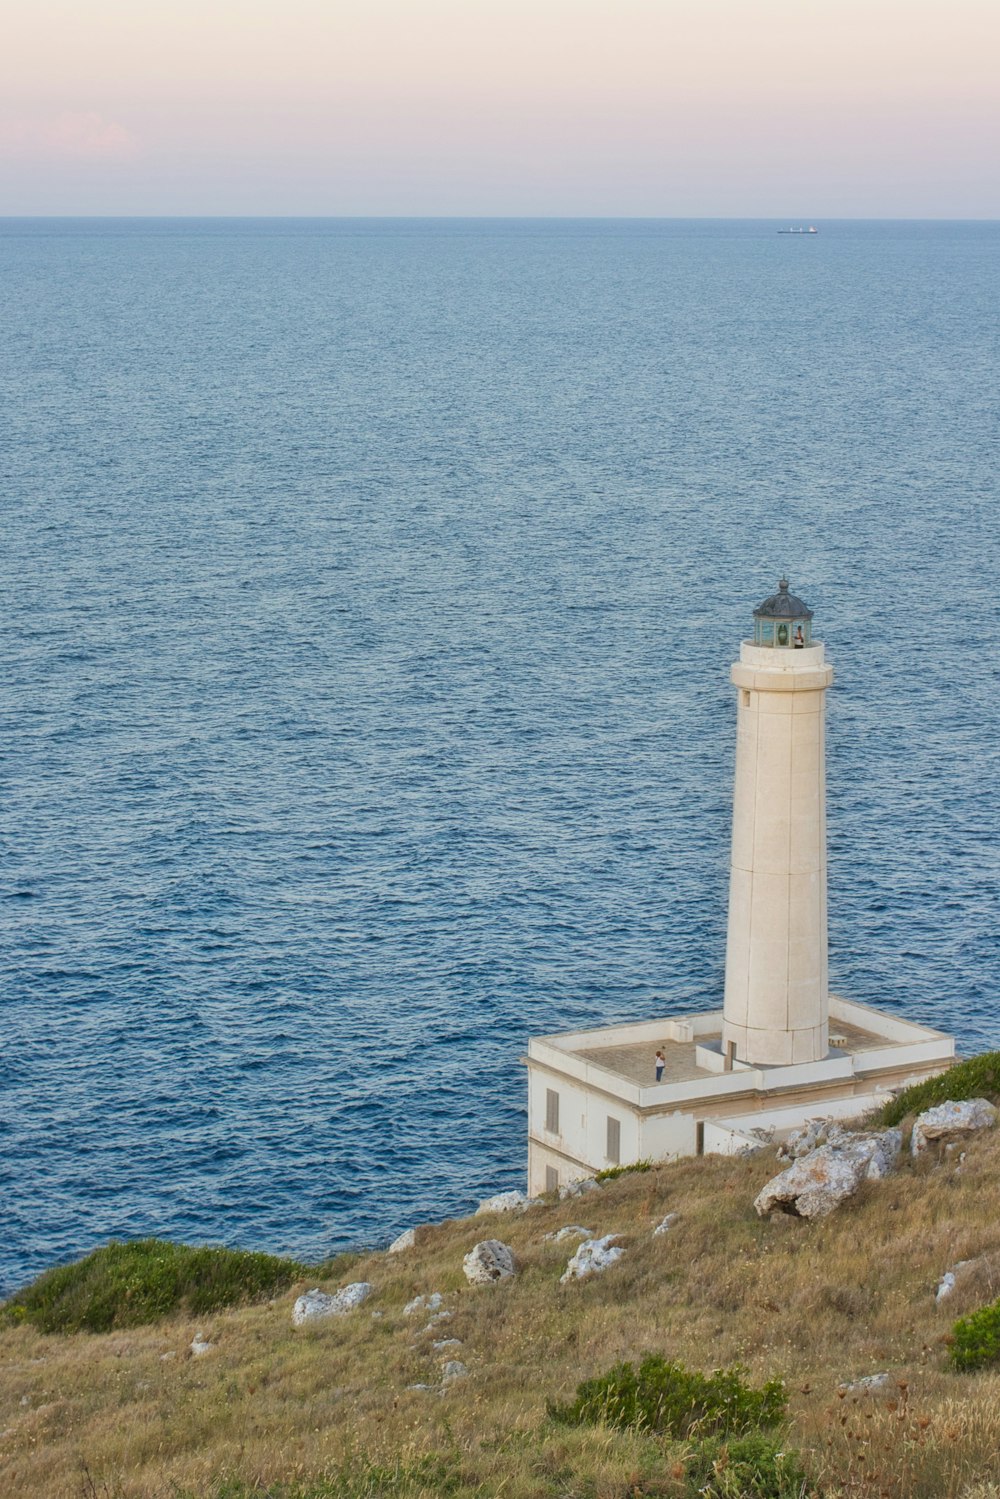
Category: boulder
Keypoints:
(488, 1262)
(945, 1287)
(452, 1370)
(571, 1231)
(817, 1183)
(200, 1346)
(666, 1225)
(406, 1240)
(503, 1202)
(316, 1303)
(593, 1256)
(949, 1121)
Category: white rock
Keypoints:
(817, 1183)
(870, 1384)
(571, 1231)
(165, 1356)
(949, 1119)
(488, 1262)
(200, 1346)
(428, 1387)
(406, 1240)
(593, 1256)
(809, 1137)
(453, 1369)
(438, 1317)
(887, 1146)
(950, 1279)
(578, 1188)
(666, 1225)
(316, 1303)
(423, 1304)
(446, 1343)
(503, 1202)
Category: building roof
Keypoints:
(783, 605)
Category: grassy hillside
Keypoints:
(327, 1410)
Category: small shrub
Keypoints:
(977, 1339)
(753, 1465)
(126, 1285)
(665, 1397)
(979, 1077)
(611, 1173)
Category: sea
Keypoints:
(371, 592)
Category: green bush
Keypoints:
(748, 1467)
(979, 1077)
(977, 1338)
(126, 1285)
(665, 1397)
(612, 1172)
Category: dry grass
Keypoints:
(87, 1416)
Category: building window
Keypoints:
(551, 1179)
(746, 699)
(614, 1151)
(552, 1111)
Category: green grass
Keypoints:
(757, 1465)
(666, 1397)
(611, 1173)
(129, 1284)
(979, 1077)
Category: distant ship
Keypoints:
(800, 230)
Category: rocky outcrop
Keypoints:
(592, 1257)
(951, 1121)
(316, 1304)
(809, 1137)
(488, 1262)
(665, 1225)
(817, 1183)
(200, 1346)
(452, 1370)
(504, 1202)
(407, 1239)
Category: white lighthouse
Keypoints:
(776, 999)
(783, 1049)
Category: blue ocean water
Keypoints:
(372, 589)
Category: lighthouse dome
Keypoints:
(783, 605)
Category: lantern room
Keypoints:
(783, 621)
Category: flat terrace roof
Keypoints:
(635, 1061)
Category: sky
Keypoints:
(797, 109)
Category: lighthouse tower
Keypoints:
(782, 1050)
(776, 997)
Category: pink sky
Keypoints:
(786, 108)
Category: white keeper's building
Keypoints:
(782, 1049)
